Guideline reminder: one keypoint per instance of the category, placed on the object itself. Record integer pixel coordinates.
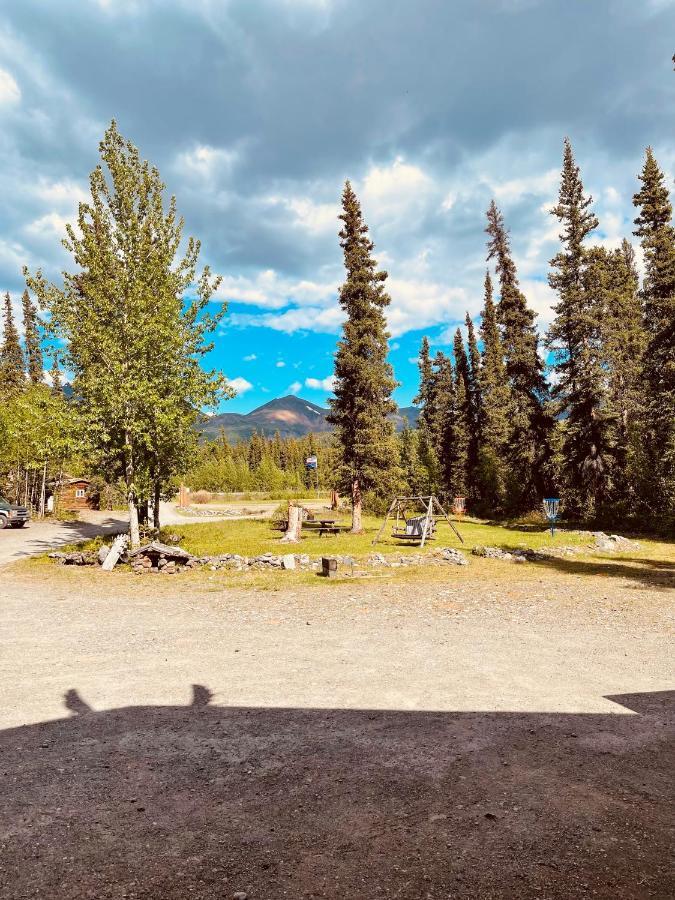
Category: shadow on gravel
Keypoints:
(204, 801)
(649, 573)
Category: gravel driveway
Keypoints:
(173, 738)
(40, 536)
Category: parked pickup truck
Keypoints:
(12, 516)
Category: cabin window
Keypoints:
(79, 492)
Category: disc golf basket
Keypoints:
(419, 528)
(459, 506)
(551, 506)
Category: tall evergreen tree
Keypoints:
(12, 374)
(654, 226)
(493, 424)
(364, 379)
(473, 405)
(428, 421)
(575, 337)
(530, 423)
(31, 339)
(622, 341)
(414, 473)
(55, 377)
(457, 427)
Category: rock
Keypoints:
(240, 895)
(519, 559)
(456, 557)
(288, 561)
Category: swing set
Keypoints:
(416, 529)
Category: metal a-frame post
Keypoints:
(427, 518)
(394, 505)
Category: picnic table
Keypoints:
(326, 525)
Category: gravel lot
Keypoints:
(173, 738)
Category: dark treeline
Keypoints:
(264, 464)
(600, 431)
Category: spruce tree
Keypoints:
(31, 339)
(12, 374)
(55, 377)
(622, 344)
(530, 423)
(428, 420)
(575, 338)
(655, 229)
(493, 425)
(456, 431)
(365, 382)
(414, 473)
(474, 402)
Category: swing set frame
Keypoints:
(431, 508)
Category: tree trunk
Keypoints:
(155, 505)
(134, 534)
(357, 504)
(43, 490)
(292, 535)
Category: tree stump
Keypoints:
(292, 535)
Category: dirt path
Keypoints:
(168, 738)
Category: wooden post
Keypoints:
(426, 522)
(115, 552)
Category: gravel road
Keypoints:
(41, 536)
(172, 738)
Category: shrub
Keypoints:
(201, 497)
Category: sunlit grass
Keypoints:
(255, 537)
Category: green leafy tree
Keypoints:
(654, 227)
(530, 423)
(133, 345)
(364, 378)
(493, 422)
(12, 373)
(575, 338)
(31, 339)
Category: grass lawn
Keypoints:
(253, 537)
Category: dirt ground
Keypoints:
(177, 738)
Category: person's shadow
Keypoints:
(206, 801)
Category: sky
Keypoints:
(256, 111)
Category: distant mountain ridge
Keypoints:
(291, 416)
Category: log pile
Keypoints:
(157, 557)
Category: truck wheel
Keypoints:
(3, 522)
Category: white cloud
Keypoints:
(250, 357)
(313, 217)
(64, 193)
(9, 89)
(205, 162)
(240, 385)
(321, 384)
(294, 388)
(395, 191)
(280, 364)
(270, 290)
(514, 189)
(50, 225)
(291, 320)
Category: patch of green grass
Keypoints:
(255, 537)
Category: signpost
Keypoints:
(312, 465)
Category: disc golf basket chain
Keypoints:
(459, 506)
(419, 528)
(551, 507)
